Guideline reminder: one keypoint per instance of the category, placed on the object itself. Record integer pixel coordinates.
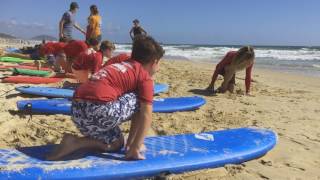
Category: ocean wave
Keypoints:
(215, 53)
(316, 65)
(303, 54)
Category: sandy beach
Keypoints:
(287, 103)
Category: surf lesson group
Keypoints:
(108, 90)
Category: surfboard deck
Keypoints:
(13, 60)
(160, 88)
(68, 93)
(170, 154)
(31, 72)
(63, 106)
(8, 67)
(31, 80)
(12, 50)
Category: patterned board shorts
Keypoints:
(101, 120)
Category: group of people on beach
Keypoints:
(115, 89)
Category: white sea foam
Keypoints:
(303, 54)
(316, 65)
(217, 52)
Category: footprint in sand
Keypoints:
(265, 162)
(234, 169)
(263, 176)
(309, 138)
(295, 167)
(300, 143)
(255, 123)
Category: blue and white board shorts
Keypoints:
(101, 120)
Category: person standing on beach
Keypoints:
(94, 24)
(136, 29)
(234, 61)
(67, 23)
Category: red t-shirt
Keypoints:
(74, 48)
(112, 81)
(226, 61)
(88, 61)
(117, 59)
(52, 48)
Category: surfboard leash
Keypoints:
(28, 110)
(6, 92)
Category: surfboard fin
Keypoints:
(28, 110)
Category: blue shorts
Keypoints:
(101, 120)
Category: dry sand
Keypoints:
(289, 104)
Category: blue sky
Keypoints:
(256, 22)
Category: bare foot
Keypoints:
(143, 148)
(115, 146)
(67, 146)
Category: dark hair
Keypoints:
(92, 41)
(107, 45)
(244, 53)
(136, 21)
(145, 49)
(74, 5)
(64, 39)
(94, 9)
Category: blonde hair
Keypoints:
(245, 55)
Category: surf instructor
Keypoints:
(67, 23)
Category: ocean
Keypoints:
(293, 59)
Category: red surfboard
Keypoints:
(25, 67)
(31, 80)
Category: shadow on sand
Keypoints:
(202, 92)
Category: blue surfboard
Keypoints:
(160, 88)
(165, 154)
(13, 50)
(63, 106)
(68, 93)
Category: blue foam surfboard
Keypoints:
(68, 93)
(160, 88)
(170, 154)
(13, 50)
(63, 106)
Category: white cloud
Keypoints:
(26, 29)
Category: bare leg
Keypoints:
(210, 87)
(61, 62)
(37, 64)
(18, 55)
(71, 143)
